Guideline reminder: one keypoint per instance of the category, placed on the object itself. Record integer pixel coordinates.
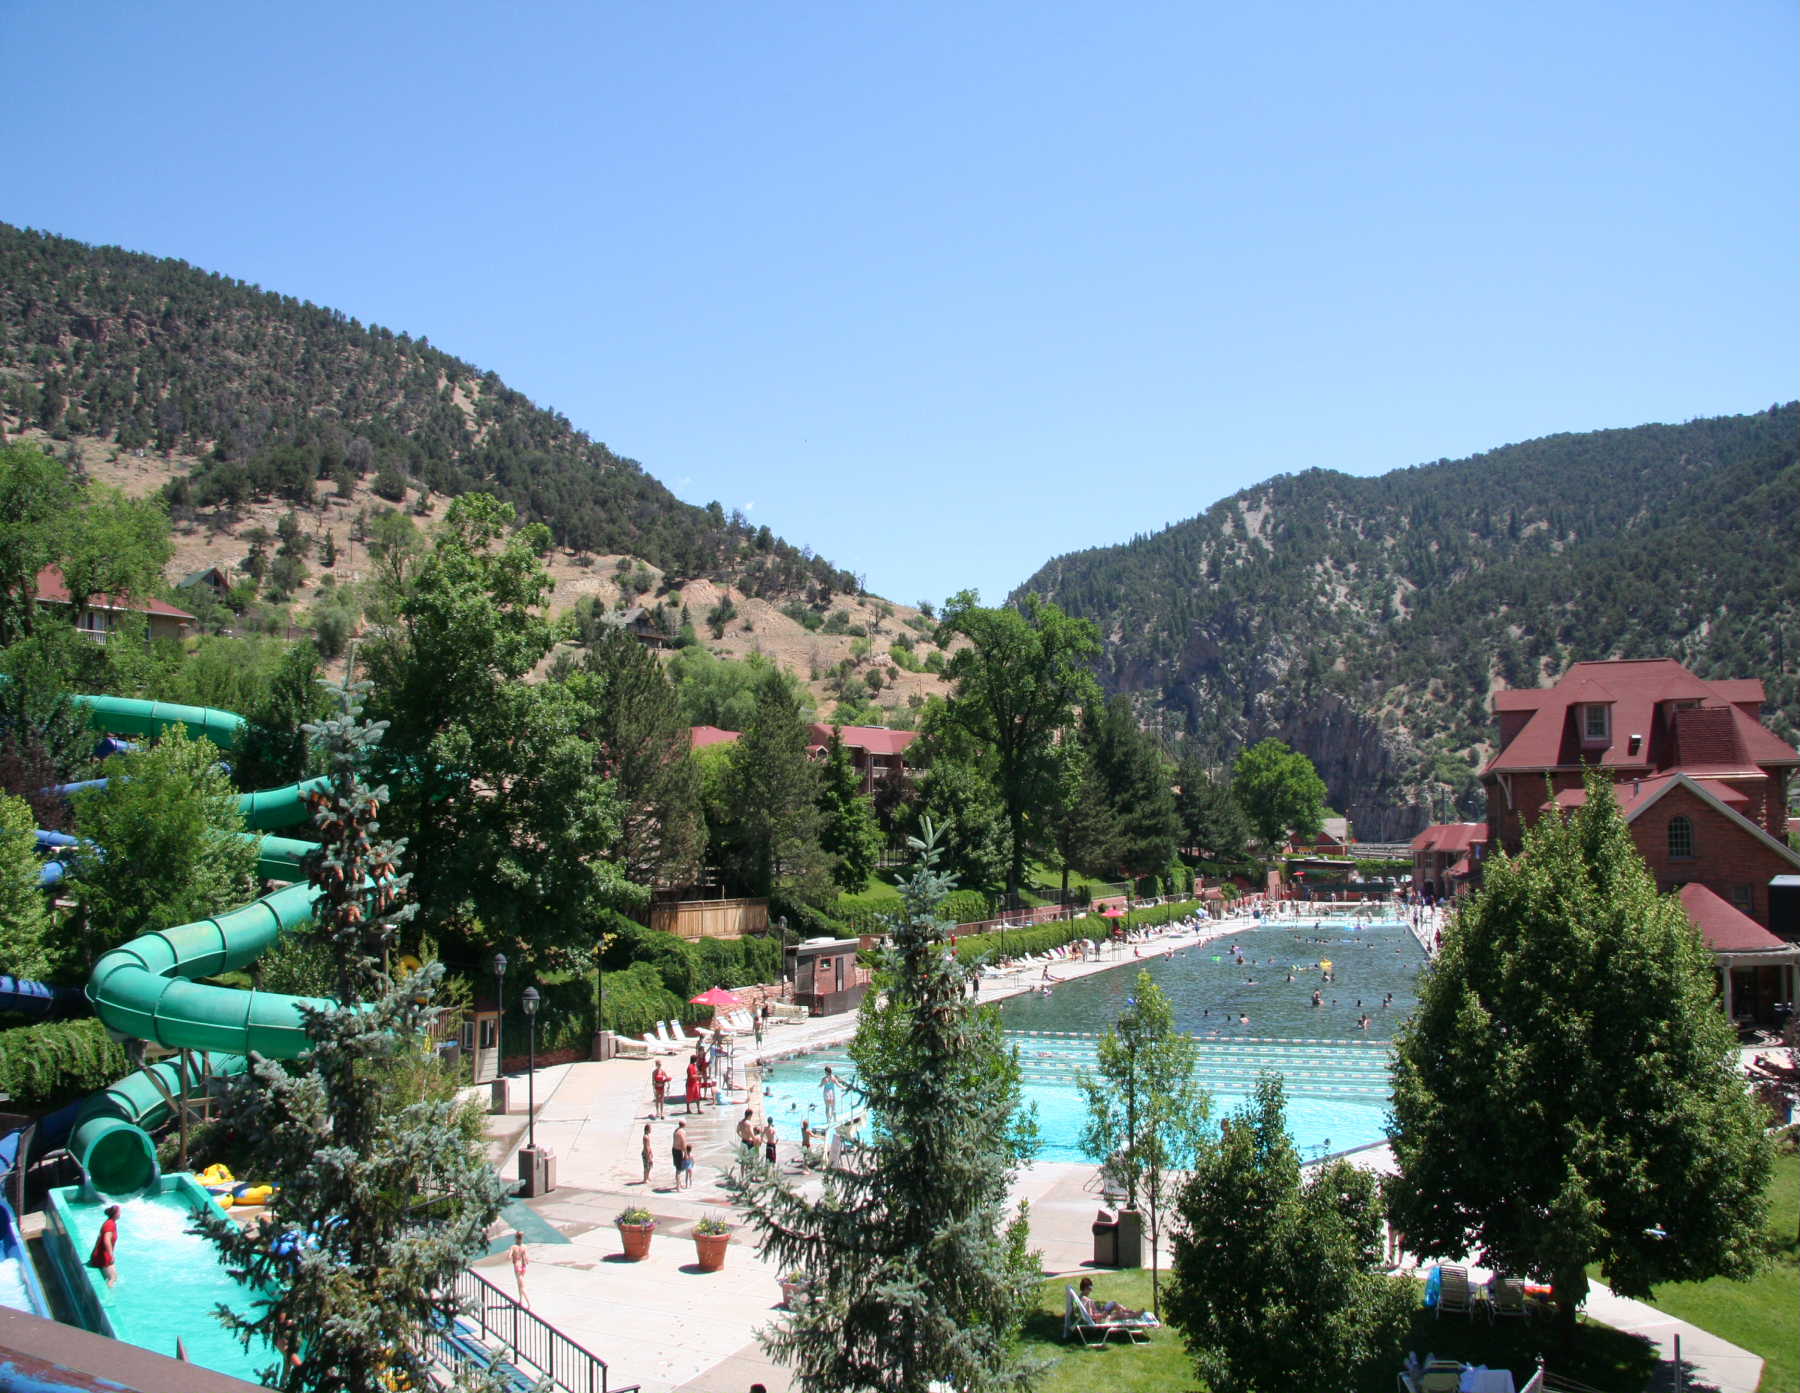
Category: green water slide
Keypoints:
(147, 989)
(270, 807)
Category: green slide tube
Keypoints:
(269, 807)
(146, 988)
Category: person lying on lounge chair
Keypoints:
(1105, 1310)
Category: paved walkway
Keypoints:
(666, 1325)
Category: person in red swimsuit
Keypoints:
(694, 1086)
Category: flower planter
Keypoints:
(794, 1295)
(636, 1238)
(711, 1249)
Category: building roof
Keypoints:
(1726, 928)
(1448, 837)
(699, 737)
(876, 740)
(51, 589)
(1721, 730)
(1633, 795)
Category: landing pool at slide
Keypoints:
(169, 1278)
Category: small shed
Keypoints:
(826, 979)
(480, 1038)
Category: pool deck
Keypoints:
(664, 1324)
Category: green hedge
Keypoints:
(1041, 938)
(43, 1066)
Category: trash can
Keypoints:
(1106, 1239)
(499, 1099)
(537, 1168)
(1129, 1244)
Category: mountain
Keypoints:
(1367, 620)
(263, 395)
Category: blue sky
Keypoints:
(943, 291)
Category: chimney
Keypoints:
(1637, 786)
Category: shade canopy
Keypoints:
(1114, 913)
(714, 996)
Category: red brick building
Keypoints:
(1447, 858)
(1702, 785)
(875, 751)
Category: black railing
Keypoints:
(529, 1340)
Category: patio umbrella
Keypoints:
(1114, 913)
(714, 996)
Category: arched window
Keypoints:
(1681, 838)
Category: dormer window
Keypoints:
(1596, 724)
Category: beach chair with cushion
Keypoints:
(1093, 1330)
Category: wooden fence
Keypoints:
(711, 918)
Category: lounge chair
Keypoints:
(1093, 1329)
(1506, 1298)
(657, 1046)
(1453, 1291)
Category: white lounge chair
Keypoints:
(1081, 1320)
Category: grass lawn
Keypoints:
(1603, 1358)
(1757, 1315)
(1162, 1366)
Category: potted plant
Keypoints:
(636, 1224)
(711, 1235)
(796, 1289)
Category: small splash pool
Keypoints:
(169, 1278)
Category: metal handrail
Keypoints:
(531, 1339)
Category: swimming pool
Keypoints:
(169, 1279)
(1335, 1070)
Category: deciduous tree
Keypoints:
(1567, 1092)
(1276, 1282)
(1146, 1109)
(1018, 683)
(1280, 792)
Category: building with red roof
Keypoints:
(876, 752)
(100, 617)
(1702, 785)
(1447, 857)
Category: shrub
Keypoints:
(1040, 938)
(965, 906)
(48, 1064)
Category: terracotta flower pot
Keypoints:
(711, 1247)
(636, 1238)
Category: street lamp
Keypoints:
(536, 1168)
(781, 924)
(498, 1103)
(530, 1002)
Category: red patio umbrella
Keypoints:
(1114, 913)
(714, 996)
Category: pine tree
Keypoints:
(386, 1194)
(848, 828)
(915, 1274)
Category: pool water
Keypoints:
(169, 1282)
(1335, 1071)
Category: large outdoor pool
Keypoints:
(1335, 1071)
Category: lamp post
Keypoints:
(781, 924)
(602, 1045)
(536, 1168)
(498, 1101)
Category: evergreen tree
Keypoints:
(1146, 1109)
(275, 749)
(1275, 1281)
(914, 1273)
(1079, 822)
(771, 843)
(1130, 768)
(386, 1192)
(1211, 820)
(632, 719)
(37, 500)
(1567, 1092)
(848, 829)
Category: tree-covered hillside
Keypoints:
(278, 396)
(1366, 621)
